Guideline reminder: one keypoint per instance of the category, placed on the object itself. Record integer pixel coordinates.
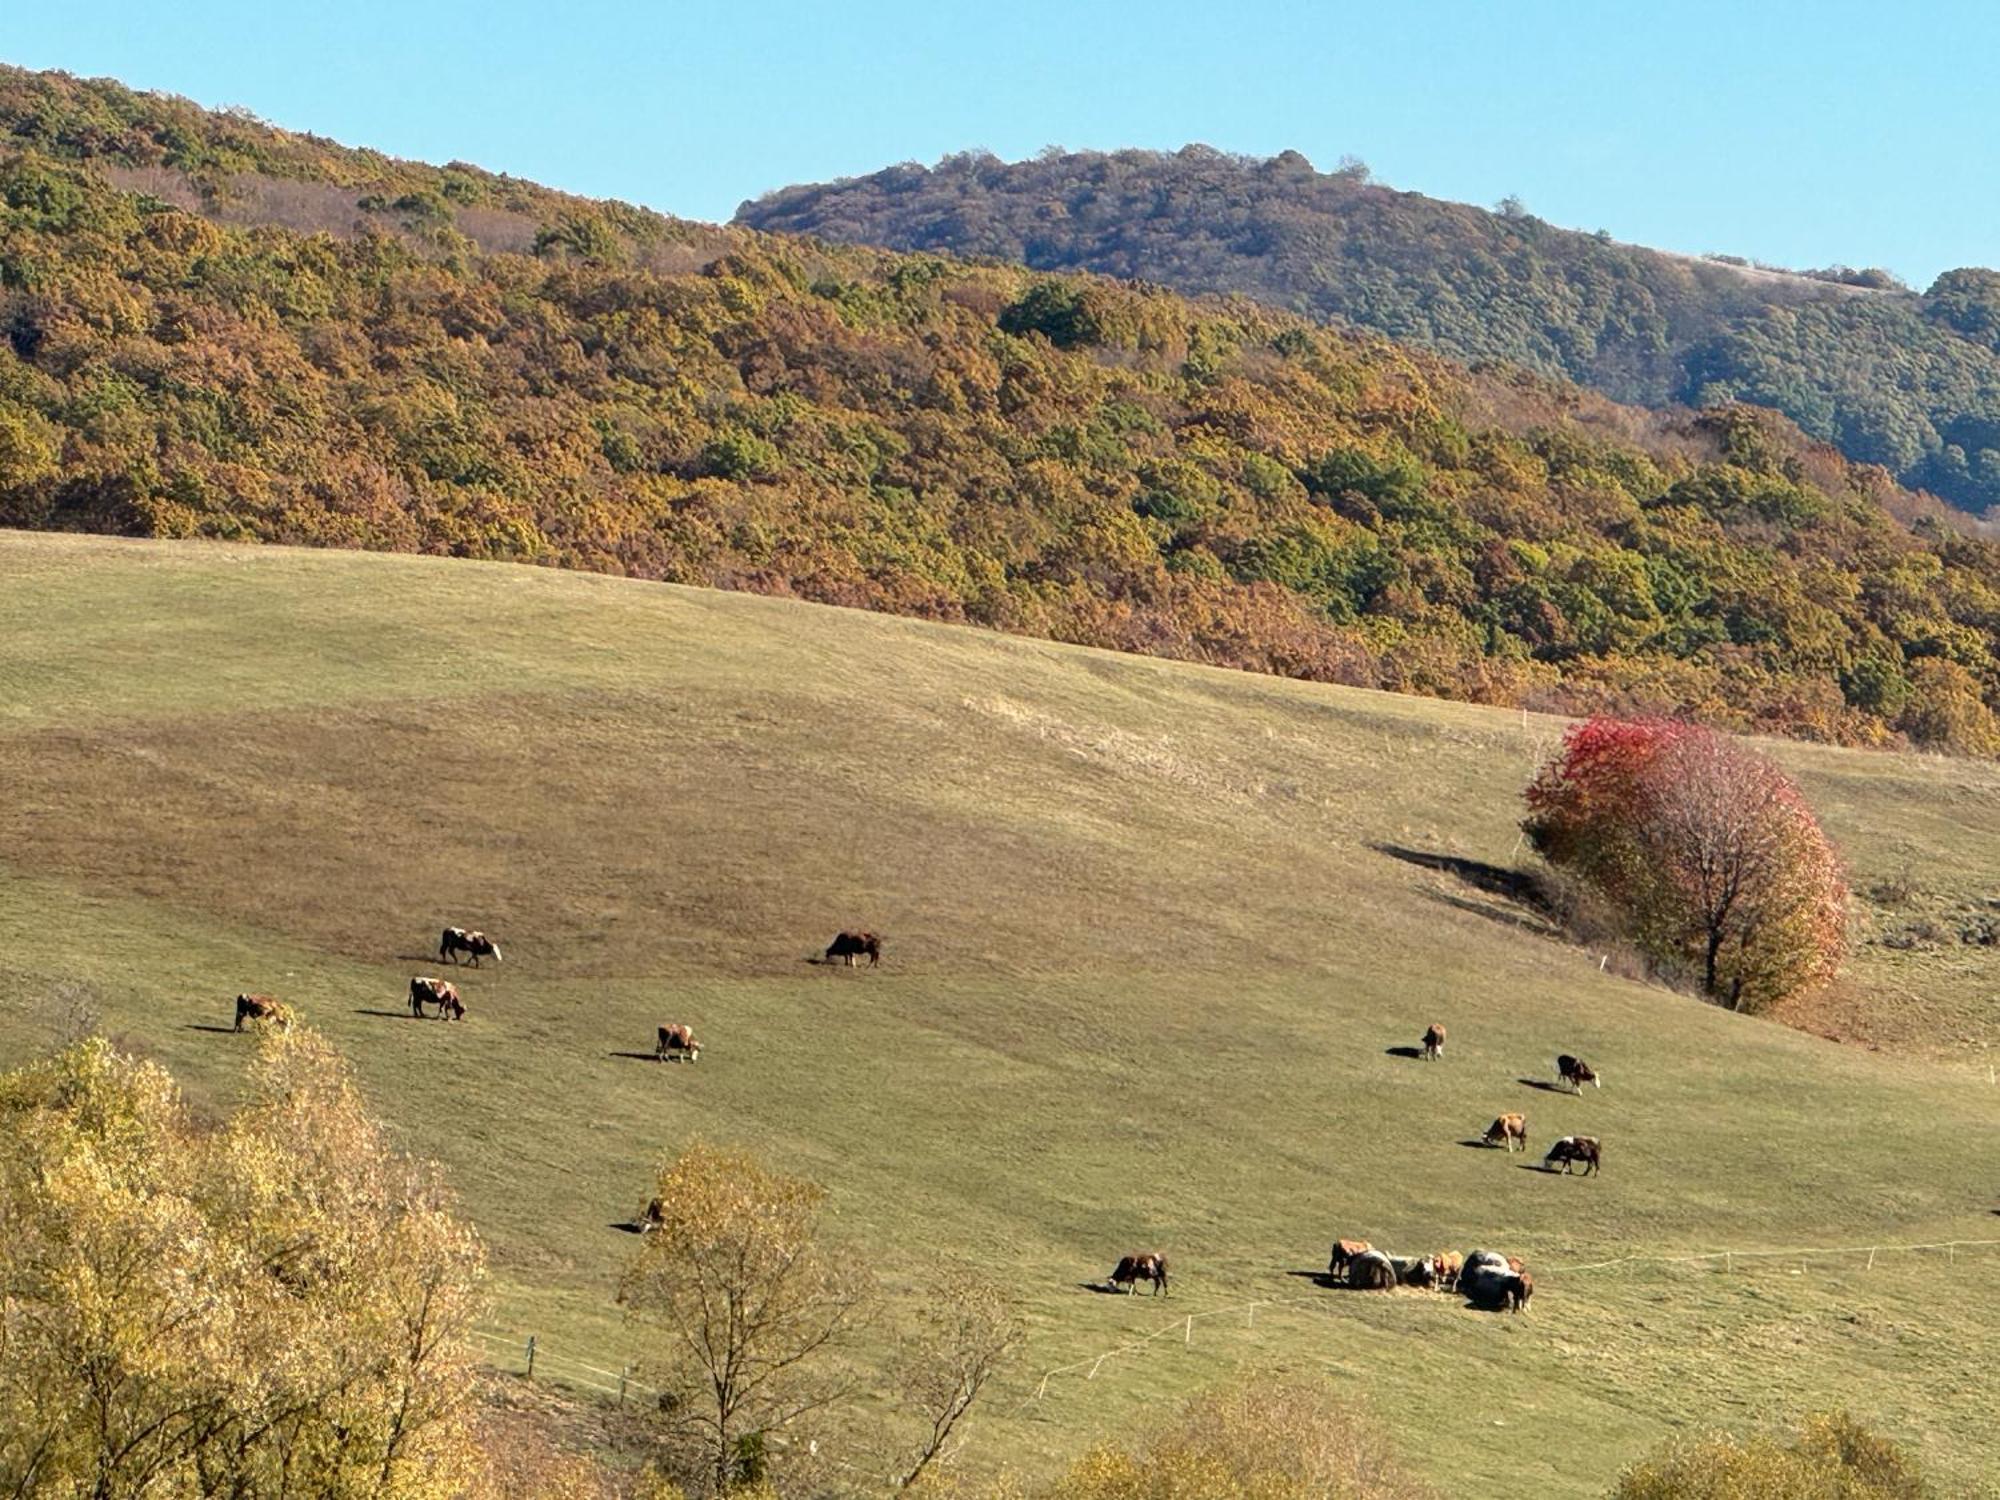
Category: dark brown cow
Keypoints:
(1434, 1042)
(1572, 1149)
(852, 945)
(654, 1216)
(1506, 1130)
(1518, 1291)
(676, 1042)
(442, 993)
(1343, 1256)
(262, 1008)
(1575, 1072)
(1133, 1269)
(477, 945)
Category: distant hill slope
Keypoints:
(1910, 382)
(211, 332)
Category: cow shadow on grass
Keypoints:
(1322, 1280)
(1102, 1288)
(1543, 1084)
(1478, 1143)
(627, 1226)
(1403, 1052)
(385, 1015)
(636, 1056)
(222, 1030)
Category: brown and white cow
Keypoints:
(1517, 1291)
(677, 1041)
(424, 990)
(262, 1008)
(1572, 1149)
(1575, 1072)
(477, 945)
(1343, 1256)
(1133, 1269)
(652, 1217)
(1434, 1042)
(1506, 1130)
(852, 945)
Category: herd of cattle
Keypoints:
(1486, 1278)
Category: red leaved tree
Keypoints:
(1706, 851)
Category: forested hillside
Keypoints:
(219, 330)
(1910, 382)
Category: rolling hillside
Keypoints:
(218, 329)
(1150, 951)
(1908, 381)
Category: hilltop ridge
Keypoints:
(1908, 381)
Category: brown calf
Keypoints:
(1434, 1042)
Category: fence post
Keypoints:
(1871, 1259)
(1728, 1262)
(623, 1375)
(1188, 1338)
(531, 1356)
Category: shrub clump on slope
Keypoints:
(1704, 849)
(1070, 458)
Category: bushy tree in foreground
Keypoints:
(1705, 849)
(275, 1307)
(749, 1301)
(1268, 1439)
(1832, 1458)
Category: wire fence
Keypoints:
(534, 1359)
(1247, 1311)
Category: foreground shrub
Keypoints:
(1705, 851)
(276, 1307)
(1258, 1440)
(1832, 1458)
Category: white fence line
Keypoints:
(534, 1354)
(1184, 1325)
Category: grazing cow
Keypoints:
(1133, 1269)
(851, 945)
(262, 1008)
(676, 1042)
(1414, 1270)
(1575, 1072)
(1434, 1042)
(1372, 1271)
(1494, 1281)
(1343, 1255)
(1506, 1130)
(1445, 1268)
(456, 940)
(442, 993)
(1572, 1149)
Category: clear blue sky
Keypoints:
(1799, 134)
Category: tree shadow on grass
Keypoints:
(1533, 909)
(224, 1030)
(1403, 1052)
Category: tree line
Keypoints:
(1855, 358)
(1065, 457)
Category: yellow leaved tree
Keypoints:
(278, 1306)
